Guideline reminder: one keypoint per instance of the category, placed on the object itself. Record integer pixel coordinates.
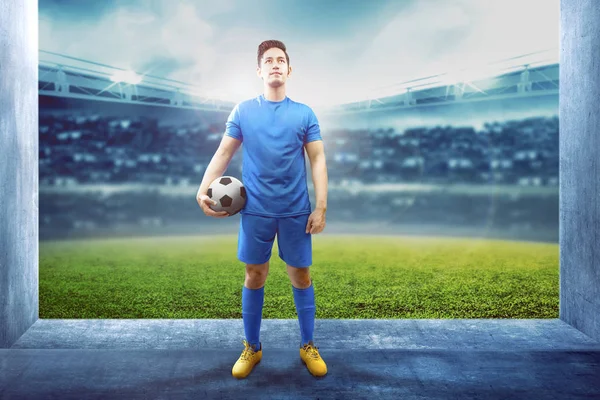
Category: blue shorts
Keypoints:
(257, 234)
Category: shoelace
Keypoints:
(248, 352)
(311, 351)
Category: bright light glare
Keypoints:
(129, 77)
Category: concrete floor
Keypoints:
(367, 359)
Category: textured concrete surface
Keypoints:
(386, 359)
(355, 374)
(412, 334)
(579, 103)
(18, 168)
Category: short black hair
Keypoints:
(269, 44)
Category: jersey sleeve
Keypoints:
(232, 126)
(313, 130)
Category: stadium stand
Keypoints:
(96, 153)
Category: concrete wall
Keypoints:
(579, 113)
(18, 168)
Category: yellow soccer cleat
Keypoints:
(310, 355)
(249, 358)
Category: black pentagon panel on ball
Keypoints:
(226, 201)
(225, 181)
(243, 192)
(209, 193)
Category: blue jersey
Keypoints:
(273, 135)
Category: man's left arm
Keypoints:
(318, 165)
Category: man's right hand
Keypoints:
(205, 202)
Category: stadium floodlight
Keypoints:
(129, 77)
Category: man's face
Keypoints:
(274, 69)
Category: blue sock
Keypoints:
(252, 305)
(305, 307)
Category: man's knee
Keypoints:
(300, 277)
(256, 275)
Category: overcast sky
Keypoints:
(340, 50)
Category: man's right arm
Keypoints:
(218, 164)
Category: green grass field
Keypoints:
(354, 277)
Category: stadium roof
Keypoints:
(526, 75)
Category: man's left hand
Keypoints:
(316, 221)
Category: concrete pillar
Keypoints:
(18, 168)
(579, 136)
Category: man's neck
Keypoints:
(274, 94)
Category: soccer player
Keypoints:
(276, 133)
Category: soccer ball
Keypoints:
(229, 193)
